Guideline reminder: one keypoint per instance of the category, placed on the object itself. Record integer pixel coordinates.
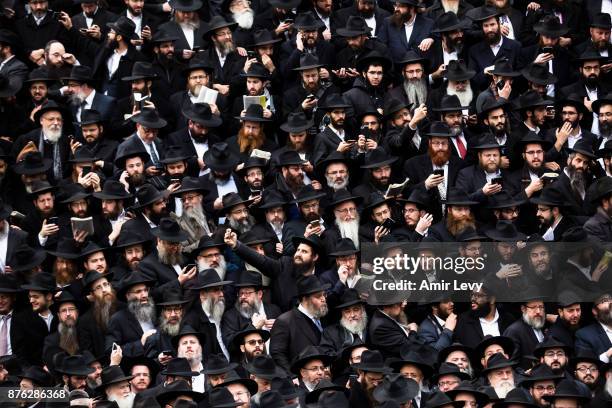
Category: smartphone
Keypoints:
(196, 48)
(366, 132)
(288, 21)
(175, 180)
(167, 352)
(500, 85)
(550, 109)
(315, 223)
(548, 50)
(251, 54)
(439, 172)
(56, 15)
(190, 266)
(53, 220)
(311, 96)
(86, 171)
(350, 138)
(388, 223)
(496, 180)
(256, 193)
(83, 30)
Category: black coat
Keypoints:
(292, 332)
(15, 239)
(173, 29)
(325, 143)
(342, 16)
(230, 72)
(183, 138)
(171, 78)
(164, 275)
(386, 335)
(35, 136)
(14, 68)
(574, 204)
(124, 329)
(562, 67)
(197, 319)
(91, 335)
(524, 339)
(469, 331)
(233, 322)
(336, 337)
(560, 331)
(472, 179)
(101, 18)
(36, 36)
(28, 332)
(113, 85)
(481, 56)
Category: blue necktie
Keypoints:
(318, 324)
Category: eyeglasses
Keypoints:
(189, 197)
(442, 384)
(551, 354)
(198, 77)
(241, 211)
(101, 286)
(534, 152)
(410, 210)
(173, 309)
(258, 342)
(68, 310)
(591, 369)
(541, 388)
(246, 293)
(316, 368)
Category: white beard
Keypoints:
(416, 91)
(245, 19)
(53, 135)
(357, 327)
(349, 230)
(127, 402)
(221, 269)
(214, 311)
(465, 97)
(609, 386)
(502, 389)
(532, 322)
(337, 186)
(454, 6)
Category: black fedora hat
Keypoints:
(505, 231)
(377, 158)
(75, 365)
(231, 200)
(83, 155)
(350, 297)
(273, 399)
(456, 196)
(161, 36)
(538, 74)
(532, 99)
(90, 248)
(449, 369)
(469, 234)
(179, 367)
(209, 278)
(190, 184)
(344, 247)
(40, 74)
(550, 26)
(576, 101)
(38, 376)
(284, 4)
(220, 157)
(550, 343)
(8, 37)
(254, 238)
(355, 25)
(33, 163)
(502, 67)
(541, 372)
(41, 282)
(606, 100)
(173, 297)
(179, 388)
(601, 20)
(50, 106)
(439, 129)
(373, 57)
(201, 114)
(334, 101)
(148, 195)
(412, 57)
(467, 387)
(307, 21)
(308, 61)
(199, 63)
(79, 73)
(584, 148)
(322, 387)
(232, 377)
(517, 397)
(187, 330)
(254, 113)
(257, 70)
(8, 284)
(441, 400)
(92, 277)
(308, 354)
(532, 138)
(141, 70)
(375, 199)
(497, 361)
(149, 118)
(112, 375)
(372, 361)
(66, 248)
(308, 193)
(550, 197)
(221, 398)
(603, 188)
(335, 399)
(185, 5)
(135, 278)
(254, 162)
(590, 54)
(310, 284)
(131, 150)
(89, 117)
(449, 103)
(415, 358)
(568, 389)
(446, 351)
(505, 342)
(416, 196)
(297, 123)
(448, 22)
(169, 230)
(484, 13)
(313, 241)
(392, 106)
(342, 196)
(73, 192)
(457, 70)
(9, 86)
(247, 330)
(174, 154)
(207, 242)
(263, 366)
(217, 364)
(124, 27)
(272, 198)
(289, 158)
(112, 190)
(264, 37)
(584, 356)
(216, 23)
(396, 387)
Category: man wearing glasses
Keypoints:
(528, 331)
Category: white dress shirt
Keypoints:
(137, 20)
(4, 245)
(408, 27)
(113, 62)
(188, 31)
(48, 319)
(549, 235)
(371, 22)
(490, 327)
(8, 320)
(496, 47)
(198, 382)
(89, 20)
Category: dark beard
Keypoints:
(301, 269)
(242, 226)
(295, 184)
(380, 185)
(137, 179)
(68, 339)
(577, 180)
(103, 310)
(156, 218)
(591, 82)
(491, 40)
(482, 311)
(398, 19)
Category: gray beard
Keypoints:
(349, 229)
(169, 259)
(243, 226)
(196, 216)
(52, 135)
(465, 97)
(355, 328)
(609, 386)
(221, 269)
(215, 311)
(454, 7)
(226, 48)
(127, 402)
(337, 186)
(503, 388)
(143, 313)
(416, 91)
(245, 19)
(249, 310)
(169, 328)
(68, 338)
(577, 180)
(536, 324)
(93, 384)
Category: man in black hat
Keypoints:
(174, 168)
(569, 13)
(458, 218)
(528, 331)
(82, 94)
(109, 67)
(176, 369)
(500, 87)
(168, 68)
(10, 65)
(291, 175)
(93, 19)
(450, 26)
(551, 214)
(186, 26)
(353, 324)
(368, 91)
(598, 225)
(593, 338)
(493, 46)
(334, 137)
(115, 386)
(172, 311)
(599, 38)
(30, 327)
(252, 133)
(66, 338)
(148, 124)
(533, 112)
(93, 138)
(237, 213)
(193, 220)
(414, 86)
(243, 15)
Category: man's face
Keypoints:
(147, 135)
(412, 372)
(353, 314)
(545, 215)
(68, 314)
(555, 358)
(571, 314)
(402, 10)
(505, 251)
(165, 50)
(135, 6)
(265, 50)
(374, 75)
(605, 119)
(413, 72)
(173, 313)
(337, 174)
(401, 118)
(454, 120)
(254, 345)
(571, 115)
(196, 80)
(590, 71)
(580, 163)
(133, 255)
(223, 38)
(534, 155)
(356, 43)
(89, 7)
(371, 122)
(546, 41)
(310, 79)
(298, 140)
(251, 129)
(600, 37)
(539, 258)
(38, 91)
(382, 175)
(239, 213)
(337, 117)
(496, 120)
(119, 390)
(587, 373)
(40, 301)
(91, 132)
(346, 211)
(185, 16)
(541, 388)
(459, 358)
(240, 394)
(275, 216)
(79, 208)
(6, 303)
(139, 293)
(310, 38)
(255, 86)
(539, 116)
(134, 165)
(39, 7)
(140, 86)
(304, 255)
(142, 378)
(310, 210)
(111, 208)
(212, 256)
(534, 310)
(381, 213)
(489, 160)
(96, 262)
(254, 177)
(44, 203)
(448, 382)
(491, 29)
(52, 121)
(455, 38)
(411, 214)
(75, 88)
(54, 57)
(176, 169)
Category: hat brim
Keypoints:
(20, 168)
(209, 30)
(299, 363)
(305, 67)
(390, 160)
(252, 119)
(180, 237)
(213, 121)
(465, 76)
(194, 6)
(234, 204)
(101, 195)
(158, 124)
(344, 32)
(75, 197)
(549, 80)
(113, 26)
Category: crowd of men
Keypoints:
(194, 195)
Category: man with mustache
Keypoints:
(344, 273)
(346, 220)
(334, 137)
(93, 138)
(170, 319)
(603, 108)
(589, 370)
(221, 180)
(116, 386)
(112, 198)
(164, 265)
(186, 27)
(82, 95)
(368, 90)
(353, 324)
(452, 112)
(174, 168)
(551, 214)
(43, 207)
(500, 374)
(377, 209)
(378, 173)
(459, 217)
(94, 19)
(532, 109)
(250, 343)
(416, 219)
(291, 176)
(569, 312)
(249, 308)
(593, 338)
(132, 326)
(438, 327)
(528, 331)
(499, 90)
(599, 35)
(131, 166)
(150, 210)
(336, 171)
(131, 248)
(541, 383)
(310, 217)
(240, 12)
(310, 366)
(193, 219)
(554, 354)
(269, 231)
(66, 337)
(493, 46)
(74, 373)
(206, 318)
(252, 132)
(169, 69)
(493, 115)
(238, 216)
(414, 88)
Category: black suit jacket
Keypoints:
(197, 319)
(469, 332)
(395, 38)
(91, 335)
(28, 332)
(34, 136)
(164, 275)
(182, 138)
(125, 330)
(173, 29)
(292, 332)
(481, 56)
(101, 103)
(233, 322)
(342, 15)
(524, 339)
(386, 335)
(16, 238)
(113, 85)
(14, 68)
(231, 69)
(159, 147)
(562, 67)
(325, 143)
